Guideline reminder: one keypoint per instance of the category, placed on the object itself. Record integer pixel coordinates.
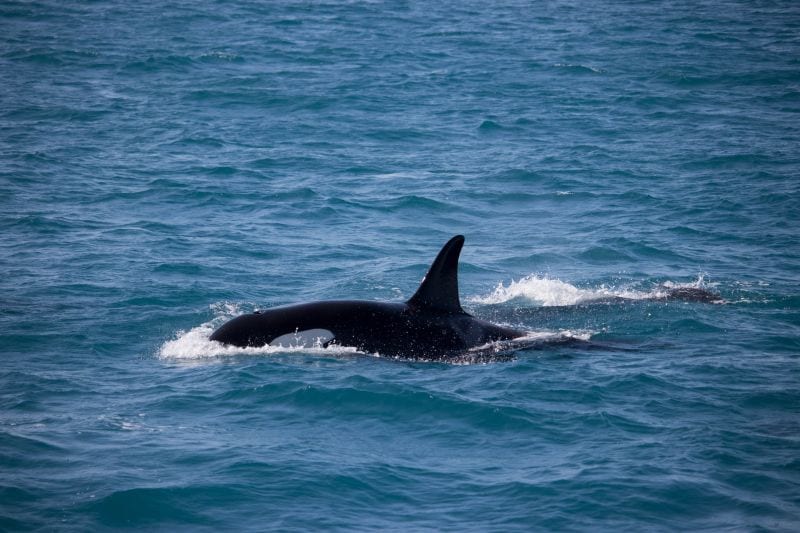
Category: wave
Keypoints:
(550, 292)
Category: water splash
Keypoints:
(550, 292)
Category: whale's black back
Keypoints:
(431, 324)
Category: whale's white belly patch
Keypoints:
(308, 338)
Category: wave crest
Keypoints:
(550, 292)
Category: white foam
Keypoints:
(503, 350)
(699, 283)
(543, 291)
(547, 292)
(533, 338)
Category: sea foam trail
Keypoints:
(548, 292)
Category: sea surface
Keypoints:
(165, 166)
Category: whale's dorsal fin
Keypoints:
(439, 288)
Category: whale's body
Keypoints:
(430, 325)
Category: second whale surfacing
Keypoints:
(430, 325)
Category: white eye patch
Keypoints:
(309, 338)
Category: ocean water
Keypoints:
(166, 167)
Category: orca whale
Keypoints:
(692, 294)
(430, 325)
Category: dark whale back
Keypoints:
(431, 324)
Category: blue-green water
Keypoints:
(163, 168)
